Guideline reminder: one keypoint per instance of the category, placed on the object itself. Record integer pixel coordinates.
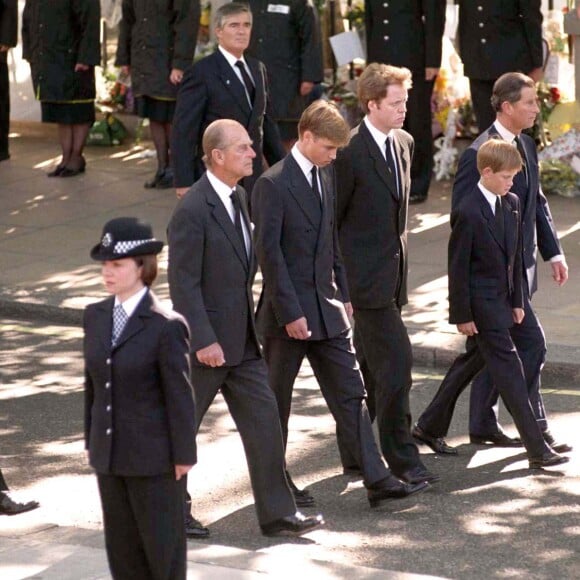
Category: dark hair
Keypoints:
(148, 263)
(230, 9)
(508, 88)
(376, 79)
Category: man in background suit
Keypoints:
(373, 183)
(304, 307)
(224, 85)
(515, 104)
(10, 507)
(8, 39)
(410, 34)
(211, 271)
(286, 38)
(496, 37)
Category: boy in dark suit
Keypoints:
(485, 301)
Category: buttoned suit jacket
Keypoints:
(485, 271)
(499, 36)
(211, 90)
(538, 229)
(372, 220)
(210, 274)
(297, 248)
(139, 390)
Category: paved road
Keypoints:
(489, 517)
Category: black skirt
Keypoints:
(68, 113)
(158, 110)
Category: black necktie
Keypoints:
(315, 188)
(499, 219)
(520, 148)
(238, 219)
(247, 81)
(391, 164)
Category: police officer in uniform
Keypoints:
(410, 34)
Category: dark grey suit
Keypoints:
(485, 284)
(372, 229)
(538, 231)
(297, 247)
(210, 281)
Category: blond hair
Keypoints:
(498, 155)
(323, 120)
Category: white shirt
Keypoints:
(130, 305)
(232, 62)
(305, 165)
(489, 196)
(224, 192)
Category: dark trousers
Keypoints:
(481, 100)
(144, 526)
(253, 407)
(496, 349)
(418, 123)
(334, 365)
(531, 345)
(4, 108)
(385, 355)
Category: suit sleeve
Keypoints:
(345, 183)
(272, 145)
(308, 31)
(9, 22)
(178, 394)
(466, 177)
(339, 269)
(190, 110)
(89, 394)
(518, 296)
(88, 13)
(186, 239)
(459, 258)
(268, 216)
(185, 27)
(531, 13)
(123, 57)
(434, 23)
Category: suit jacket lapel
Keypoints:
(302, 192)
(259, 104)
(104, 328)
(510, 218)
(490, 219)
(402, 165)
(135, 323)
(232, 83)
(379, 161)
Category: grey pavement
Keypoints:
(485, 510)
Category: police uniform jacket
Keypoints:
(139, 407)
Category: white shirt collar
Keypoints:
(231, 58)
(489, 196)
(223, 190)
(379, 137)
(504, 133)
(130, 305)
(303, 162)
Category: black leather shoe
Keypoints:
(353, 470)
(418, 474)
(195, 529)
(56, 171)
(295, 525)
(10, 507)
(152, 183)
(498, 439)
(438, 444)
(559, 447)
(166, 180)
(547, 460)
(302, 497)
(417, 198)
(391, 488)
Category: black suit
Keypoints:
(410, 34)
(139, 424)
(211, 90)
(210, 281)
(538, 231)
(8, 37)
(297, 247)
(485, 285)
(496, 37)
(372, 228)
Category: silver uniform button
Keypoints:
(108, 408)
(483, 41)
(107, 385)
(108, 361)
(481, 25)
(386, 37)
(109, 431)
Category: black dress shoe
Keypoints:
(498, 439)
(166, 180)
(560, 447)
(69, 172)
(418, 474)
(417, 198)
(152, 183)
(391, 488)
(438, 444)
(547, 460)
(295, 525)
(352, 470)
(10, 507)
(56, 171)
(302, 497)
(195, 529)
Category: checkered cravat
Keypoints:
(119, 320)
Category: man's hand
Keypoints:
(79, 66)
(467, 328)
(559, 272)
(298, 329)
(518, 315)
(176, 76)
(181, 191)
(306, 88)
(212, 355)
(348, 308)
(431, 73)
(536, 74)
(181, 470)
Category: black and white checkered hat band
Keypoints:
(124, 247)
